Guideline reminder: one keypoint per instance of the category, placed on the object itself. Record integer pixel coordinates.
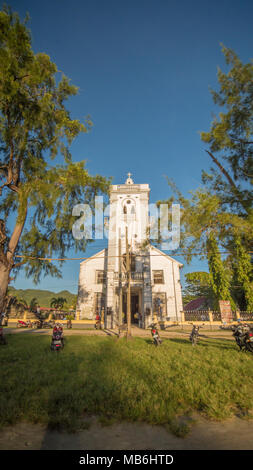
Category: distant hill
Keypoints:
(43, 297)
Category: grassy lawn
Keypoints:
(119, 380)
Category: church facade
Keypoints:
(155, 286)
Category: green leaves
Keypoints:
(219, 278)
(242, 275)
(198, 284)
(231, 133)
(35, 127)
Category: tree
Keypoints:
(58, 302)
(198, 284)
(33, 304)
(242, 276)
(231, 136)
(224, 206)
(218, 276)
(17, 303)
(35, 127)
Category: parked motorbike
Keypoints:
(57, 342)
(2, 338)
(155, 335)
(194, 336)
(25, 324)
(98, 325)
(243, 334)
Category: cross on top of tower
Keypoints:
(129, 179)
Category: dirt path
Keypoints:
(136, 332)
(233, 434)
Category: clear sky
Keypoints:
(144, 68)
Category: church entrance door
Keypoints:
(135, 308)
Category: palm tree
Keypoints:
(13, 301)
(33, 304)
(58, 302)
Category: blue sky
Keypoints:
(143, 68)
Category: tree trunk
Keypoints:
(7, 262)
(4, 282)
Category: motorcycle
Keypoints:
(57, 342)
(2, 338)
(155, 335)
(243, 334)
(24, 324)
(194, 336)
(98, 325)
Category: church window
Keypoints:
(158, 276)
(100, 277)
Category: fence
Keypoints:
(201, 315)
(214, 316)
(246, 316)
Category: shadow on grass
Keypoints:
(205, 341)
(110, 332)
(111, 378)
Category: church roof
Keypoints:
(152, 247)
(96, 255)
(166, 256)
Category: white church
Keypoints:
(155, 277)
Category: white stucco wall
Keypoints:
(171, 285)
(87, 286)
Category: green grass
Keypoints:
(120, 380)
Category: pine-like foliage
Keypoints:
(223, 205)
(242, 276)
(198, 284)
(218, 275)
(35, 127)
(231, 136)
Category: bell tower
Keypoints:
(128, 208)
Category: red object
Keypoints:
(97, 317)
(250, 334)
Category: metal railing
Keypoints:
(246, 316)
(203, 315)
(196, 315)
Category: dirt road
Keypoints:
(234, 434)
(136, 332)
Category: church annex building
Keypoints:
(155, 276)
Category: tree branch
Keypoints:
(225, 173)
(230, 180)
